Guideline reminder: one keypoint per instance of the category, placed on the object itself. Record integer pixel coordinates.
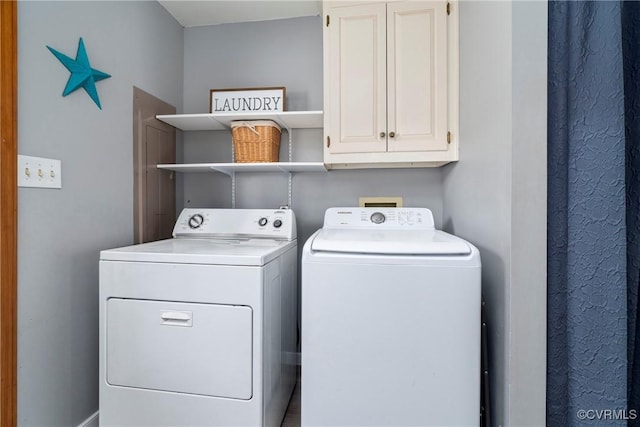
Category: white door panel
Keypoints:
(357, 88)
(191, 348)
(417, 76)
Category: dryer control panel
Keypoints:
(387, 218)
(277, 224)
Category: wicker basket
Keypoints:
(255, 141)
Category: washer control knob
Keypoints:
(378, 218)
(263, 221)
(195, 221)
(277, 223)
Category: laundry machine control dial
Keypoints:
(378, 218)
(262, 221)
(277, 223)
(195, 221)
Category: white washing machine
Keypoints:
(200, 330)
(390, 322)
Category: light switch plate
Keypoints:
(39, 172)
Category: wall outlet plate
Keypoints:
(39, 172)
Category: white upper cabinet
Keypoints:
(357, 85)
(391, 84)
(417, 76)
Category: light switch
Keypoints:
(39, 172)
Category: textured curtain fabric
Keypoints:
(587, 216)
(631, 67)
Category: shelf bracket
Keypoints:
(290, 177)
(233, 178)
(233, 190)
(289, 197)
(290, 145)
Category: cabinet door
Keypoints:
(357, 94)
(417, 75)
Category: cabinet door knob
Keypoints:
(392, 134)
(382, 134)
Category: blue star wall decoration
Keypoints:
(82, 75)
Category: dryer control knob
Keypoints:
(378, 218)
(196, 221)
(263, 221)
(277, 223)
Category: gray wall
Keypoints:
(61, 232)
(495, 196)
(528, 251)
(288, 53)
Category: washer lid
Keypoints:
(243, 252)
(389, 242)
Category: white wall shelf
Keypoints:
(222, 121)
(231, 168)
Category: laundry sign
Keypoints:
(247, 100)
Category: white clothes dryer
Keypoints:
(200, 330)
(390, 322)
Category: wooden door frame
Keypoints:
(8, 216)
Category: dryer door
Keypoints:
(200, 349)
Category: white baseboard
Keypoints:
(92, 421)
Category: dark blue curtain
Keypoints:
(631, 67)
(592, 207)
